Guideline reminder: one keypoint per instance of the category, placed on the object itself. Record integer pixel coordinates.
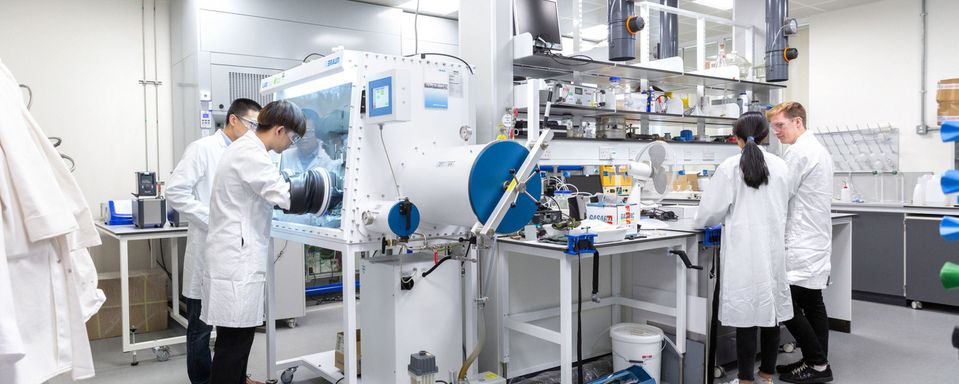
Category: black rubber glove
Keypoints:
(298, 193)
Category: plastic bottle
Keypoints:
(845, 194)
(615, 94)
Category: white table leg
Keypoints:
(349, 315)
(175, 265)
(270, 315)
(503, 294)
(616, 280)
(125, 294)
(566, 319)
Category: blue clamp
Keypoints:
(574, 242)
(713, 235)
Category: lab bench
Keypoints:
(900, 243)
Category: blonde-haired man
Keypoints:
(808, 242)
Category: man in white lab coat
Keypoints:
(188, 192)
(808, 242)
(246, 188)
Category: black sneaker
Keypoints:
(788, 367)
(807, 375)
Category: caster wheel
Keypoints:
(719, 372)
(287, 376)
(916, 305)
(789, 347)
(291, 323)
(162, 353)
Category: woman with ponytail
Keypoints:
(748, 195)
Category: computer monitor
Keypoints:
(541, 19)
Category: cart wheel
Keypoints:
(789, 347)
(291, 323)
(719, 372)
(162, 353)
(287, 376)
(916, 304)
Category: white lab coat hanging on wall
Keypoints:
(47, 227)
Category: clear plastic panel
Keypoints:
(323, 146)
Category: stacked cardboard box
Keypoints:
(338, 356)
(148, 304)
(948, 98)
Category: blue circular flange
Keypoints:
(490, 172)
(397, 221)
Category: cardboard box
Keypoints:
(339, 358)
(615, 214)
(947, 96)
(148, 304)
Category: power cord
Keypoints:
(388, 162)
(424, 54)
(416, 29)
(313, 54)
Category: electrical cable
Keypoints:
(388, 162)
(424, 54)
(311, 55)
(554, 57)
(416, 29)
(579, 318)
(30, 94)
(278, 256)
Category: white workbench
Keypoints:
(521, 322)
(679, 235)
(124, 234)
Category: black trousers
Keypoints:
(810, 324)
(746, 350)
(198, 360)
(231, 353)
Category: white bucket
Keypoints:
(637, 344)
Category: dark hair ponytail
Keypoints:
(752, 128)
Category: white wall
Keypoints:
(83, 61)
(864, 68)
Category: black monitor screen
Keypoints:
(538, 17)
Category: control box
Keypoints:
(388, 97)
(206, 120)
(571, 94)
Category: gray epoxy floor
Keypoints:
(889, 344)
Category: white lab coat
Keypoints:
(48, 283)
(188, 192)
(809, 228)
(753, 290)
(246, 187)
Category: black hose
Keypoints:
(579, 319)
(429, 271)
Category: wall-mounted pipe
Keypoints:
(668, 31)
(922, 129)
(777, 66)
(623, 26)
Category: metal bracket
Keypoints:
(536, 151)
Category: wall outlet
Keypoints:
(607, 153)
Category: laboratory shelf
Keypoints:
(543, 66)
(589, 112)
(630, 140)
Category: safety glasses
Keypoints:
(293, 137)
(250, 124)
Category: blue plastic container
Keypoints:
(631, 375)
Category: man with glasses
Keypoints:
(247, 188)
(808, 242)
(188, 192)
